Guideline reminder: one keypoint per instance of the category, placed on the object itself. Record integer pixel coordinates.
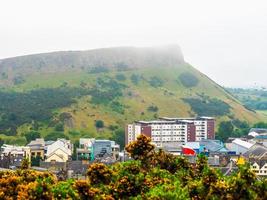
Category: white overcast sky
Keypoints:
(226, 39)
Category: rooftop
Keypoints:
(243, 143)
(257, 151)
(258, 130)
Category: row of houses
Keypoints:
(59, 151)
(191, 136)
(253, 148)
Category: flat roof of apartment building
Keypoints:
(164, 122)
(187, 118)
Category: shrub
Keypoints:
(85, 191)
(99, 173)
(64, 190)
(188, 79)
(153, 108)
(156, 81)
(135, 78)
(208, 106)
(99, 124)
(141, 149)
(120, 77)
(117, 107)
(59, 126)
(32, 135)
(55, 135)
(99, 69)
(18, 80)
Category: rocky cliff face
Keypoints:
(120, 57)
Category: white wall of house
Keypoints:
(58, 156)
(259, 171)
(239, 149)
(62, 144)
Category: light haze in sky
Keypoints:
(227, 39)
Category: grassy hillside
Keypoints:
(115, 86)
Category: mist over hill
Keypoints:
(119, 57)
(69, 93)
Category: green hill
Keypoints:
(72, 93)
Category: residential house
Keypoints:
(37, 147)
(102, 147)
(84, 151)
(256, 152)
(259, 167)
(240, 146)
(14, 154)
(257, 157)
(58, 151)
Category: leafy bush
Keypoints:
(208, 107)
(141, 149)
(135, 78)
(167, 177)
(99, 173)
(117, 107)
(120, 77)
(37, 105)
(55, 135)
(121, 66)
(99, 124)
(188, 79)
(59, 126)
(153, 108)
(18, 80)
(106, 90)
(119, 137)
(99, 69)
(156, 81)
(32, 135)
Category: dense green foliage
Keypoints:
(260, 125)
(153, 108)
(18, 80)
(119, 137)
(55, 135)
(152, 175)
(188, 79)
(120, 77)
(135, 78)
(106, 90)
(99, 69)
(37, 105)
(208, 106)
(32, 135)
(156, 81)
(99, 124)
(117, 107)
(236, 128)
(255, 99)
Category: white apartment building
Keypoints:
(172, 130)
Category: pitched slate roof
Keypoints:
(258, 130)
(257, 151)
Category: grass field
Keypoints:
(136, 99)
